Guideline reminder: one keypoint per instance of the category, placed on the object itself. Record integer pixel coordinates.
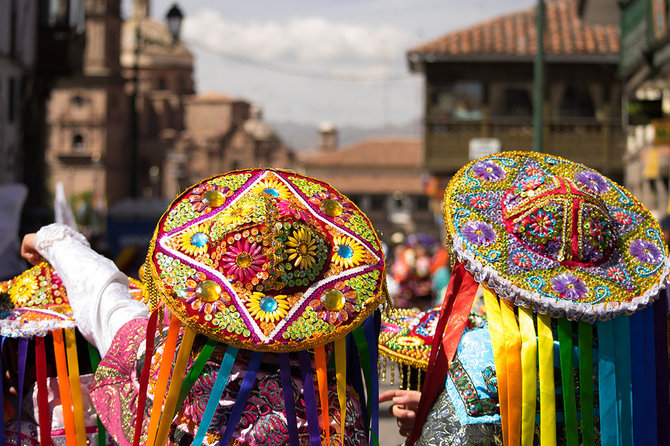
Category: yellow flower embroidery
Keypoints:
(347, 253)
(301, 248)
(267, 308)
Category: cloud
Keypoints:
(309, 40)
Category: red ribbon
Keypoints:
(144, 377)
(453, 317)
(42, 397)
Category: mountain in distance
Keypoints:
(306, 136)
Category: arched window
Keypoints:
(78, 143)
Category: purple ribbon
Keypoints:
(23, 353)
(643, 370)
(2, 396)
(242, 397)
(289, 400)
(370, 330)
(661, 354)
(355, 377)
(310, 398)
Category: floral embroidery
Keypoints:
(623, 217)
(478, 233)
(340, 212)
(335, 305)
(594, 181)
(489, 171)
(243, 261)
(24, 290)
(541, 224)
(273, 187)
(645, 251)
(267, 308)
(522, 260)
(205, 197)
(616, 274)
(194, 240)
(346, 252)
(301, 248)
(569, 286)
(479, 202)
(202, 294)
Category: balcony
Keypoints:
(594, 143)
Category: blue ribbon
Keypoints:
(369, 328)
(661, 347)
(609, 418)
(643, 373)
(310, 398)
(289, 400)
(242, 397)
(23, 353)
(623, 378)
(215, 395)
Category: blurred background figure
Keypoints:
(12, 197)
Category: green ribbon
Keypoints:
(195, 371)
(364, 356)
(567, 381)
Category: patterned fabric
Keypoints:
(266, 260)
(472, 384)
(35, 303)
(406, 335)
(555, 235)
(115, 393)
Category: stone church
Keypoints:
(134, 107)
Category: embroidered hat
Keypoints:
(555, 236)
(562, 254)
(261, 261)
(32, 306)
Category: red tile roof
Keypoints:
(515, 35)
(372, 166)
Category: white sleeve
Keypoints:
(96, 289)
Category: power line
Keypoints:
(304, 74)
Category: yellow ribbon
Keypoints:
(75, 387)
(528, 376)
(547, 389)
(165, 368)
(499, 358)
(513, 360)
(64, 387)
(175, 385)
(322, 380)
(341, 377)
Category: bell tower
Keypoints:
(103, 38)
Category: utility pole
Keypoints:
(538, 79)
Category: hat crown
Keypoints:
(556, 218)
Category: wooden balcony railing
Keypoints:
(596, 144)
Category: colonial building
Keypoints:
(382, 176)
(479, 84)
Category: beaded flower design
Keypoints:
(283, 263)
(555, 235)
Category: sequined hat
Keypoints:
(261, 261)
(565, 257)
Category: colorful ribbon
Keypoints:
(661, 355)
(354, 372)
(2, 396)
(567, 381)
(371, 338)
(242, 397)
(623, 378)
(322, 381)
(512, 342)
(643, 375)
(64, 387)
(197, 368)
(42, 395)
(528, 375)
(175, 385)
(461, 290)
(23, 353)
(215, 395)
(165, 369)
(609, 417)
(366, 366)
(499, 357)
(545, 354)
(585, 345)
(341, 378)
(289, 399)
(310, 400)
(144, 376)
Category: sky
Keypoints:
(310, 61)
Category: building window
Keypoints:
(462, 101)
(422, 203)
(78, 143)
(576, 103)
(517, 103)
(77, 100)
(377, 202)
(162, 85)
